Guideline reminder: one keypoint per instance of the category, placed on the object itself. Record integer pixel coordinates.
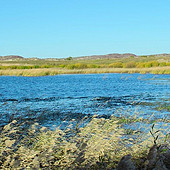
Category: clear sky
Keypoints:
(63, 28)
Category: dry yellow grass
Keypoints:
(98, 145)
(55, 71)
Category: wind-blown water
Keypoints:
(52, 99)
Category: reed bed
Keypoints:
(56, 71)
(98, 145)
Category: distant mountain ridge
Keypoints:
(90, 57)
(107, 56)
(11, 57)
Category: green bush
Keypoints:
(140, 65)
(130, 64)
(116, 65)
(80, 65)
(69, 58)
(144, 56)
(168, 64)
(76, 66)
(148, 64)
(155, 64)
(70, 66)
(62, 65)
(46, 66)
(151, 64)
(92, 66)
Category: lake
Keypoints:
(52, 100)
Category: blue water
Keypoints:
(53, 99)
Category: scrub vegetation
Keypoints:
(42, 67)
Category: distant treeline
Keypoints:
(130, 64)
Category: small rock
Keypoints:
(126, 163)
(164, 157)
(152, 157)
(158, 158)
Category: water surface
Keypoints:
(52, 99)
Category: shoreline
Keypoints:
(58, 71)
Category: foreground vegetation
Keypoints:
(100, 144)
(42, 67)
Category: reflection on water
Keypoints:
(52, 99)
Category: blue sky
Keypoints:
(63, 28)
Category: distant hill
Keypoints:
(161, 55)
(91, 57)
(11, 57)
(107, 56)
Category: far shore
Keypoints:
(56, 71)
